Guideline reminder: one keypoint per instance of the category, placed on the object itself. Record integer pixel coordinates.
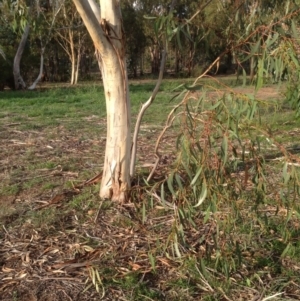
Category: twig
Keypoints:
(98, 212)
(151, 99)
(144, 107)
(157, 154)
(169, 122)
(5, 229)
(13, 124)
(271, 297)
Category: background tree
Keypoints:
(31, 16)
(72, 37)
(136, 41)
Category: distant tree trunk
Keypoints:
(107, 34)
(155, 58)
(178, 61)
(19, 82)
(142, 65)
(190, 64)
(41, 73)
(77, 67)
(78, 59)
(72, 56)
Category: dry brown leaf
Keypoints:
(57, 198)
(135, 266)
(164, 261)
(7, 270)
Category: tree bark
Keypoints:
(72, 57)
(155, 58)
(77, 67)
(33, 86)
(19, 82)
(109, 40)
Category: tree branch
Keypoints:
(146, 105)
(92, 24)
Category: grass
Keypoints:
(53, 141)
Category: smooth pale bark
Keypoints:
(68, 45)
(77, 66)
(108, 37)
(19, 82)
(72, 57)
(70, 40)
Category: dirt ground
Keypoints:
(51, 240)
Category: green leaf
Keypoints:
(294, 30)
(149, 17)
(260, 74)
(286, 175)
(255, 48)
(203, 269)
(176, 246)
(202, 196)
(271, 40)
(214, 106)
(188, 171)
(286, 250)
(178, 39)
(253, 51)
(193, 87)
(152, 261)
(196, 176)
(178, 180)
(170, 184)
(207, 214)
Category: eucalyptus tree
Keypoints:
(37, 17)
(106, 30)
(71, 35)
(136, 40)
(250, 23)
(16, 13)
(152, 9)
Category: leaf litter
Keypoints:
(89, 253)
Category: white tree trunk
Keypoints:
(73, 57)
(77, 66)
(109, 39)
(72, 81)
(19, 82)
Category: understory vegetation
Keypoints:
(214, 209)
